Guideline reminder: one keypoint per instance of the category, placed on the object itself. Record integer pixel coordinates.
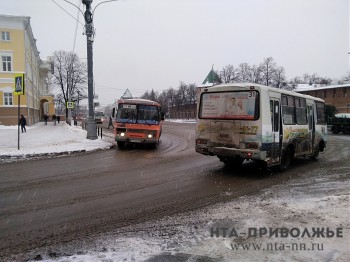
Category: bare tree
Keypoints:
(145, 95)
(229, 74)
(182, 92)
(279, 77)
(293, 83)
(163, 100)
(70, 76)
(315, 79)
(254, 74)
(171, 101)
(191, 97)
(243, 72)
(345, 79)
(268, 68)
(177, 113)
(306, 78)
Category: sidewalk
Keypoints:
(49, 140)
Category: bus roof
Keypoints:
(138, 101)
(250, 86)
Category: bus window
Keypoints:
(126, 113)
(276, 116)
(300, 111)
(148, 114)
(242, 105)
(320, 111)
(288, 110)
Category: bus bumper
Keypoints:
(138, 140)
(232, 152)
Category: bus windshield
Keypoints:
(230, 105)
(141, 114)
(148, 115)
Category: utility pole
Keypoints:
(78, 108)
(89, 31)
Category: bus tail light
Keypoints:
(200, 141)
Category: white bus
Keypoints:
(246, 121)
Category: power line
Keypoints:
(103, 3)
(67, 11)
(114, 88)
(76, 28)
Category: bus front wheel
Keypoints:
(316, 153)
(286, 159)
(121, 144)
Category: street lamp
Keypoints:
(89, 30)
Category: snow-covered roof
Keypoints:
(307, 87)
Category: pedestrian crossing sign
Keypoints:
(19, 84)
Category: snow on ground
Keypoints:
(322, 201)
(303, 207)
(47, 139)
(189, 121)
(50, 138)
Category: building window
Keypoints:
(6, 63)
(334, 92)
(325, 93)
(8, 99)
(5, 36)
(345, 94)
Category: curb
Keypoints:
(10, 158)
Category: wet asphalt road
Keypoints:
(51, 202)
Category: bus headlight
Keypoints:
(122, 134)
(150, 136)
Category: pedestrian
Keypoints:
(46, 118)
(75, 120)
(23, 123)
(54, 118)
(58, 119)
(110, 122)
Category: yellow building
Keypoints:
(19, 54)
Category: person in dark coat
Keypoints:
(54, 118)
(110, 123)
(46, 118)
(58, 119)
(23, 123)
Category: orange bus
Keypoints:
(137, 121)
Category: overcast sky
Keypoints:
(145, 44)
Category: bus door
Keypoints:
(275, 128)
(311, 124)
